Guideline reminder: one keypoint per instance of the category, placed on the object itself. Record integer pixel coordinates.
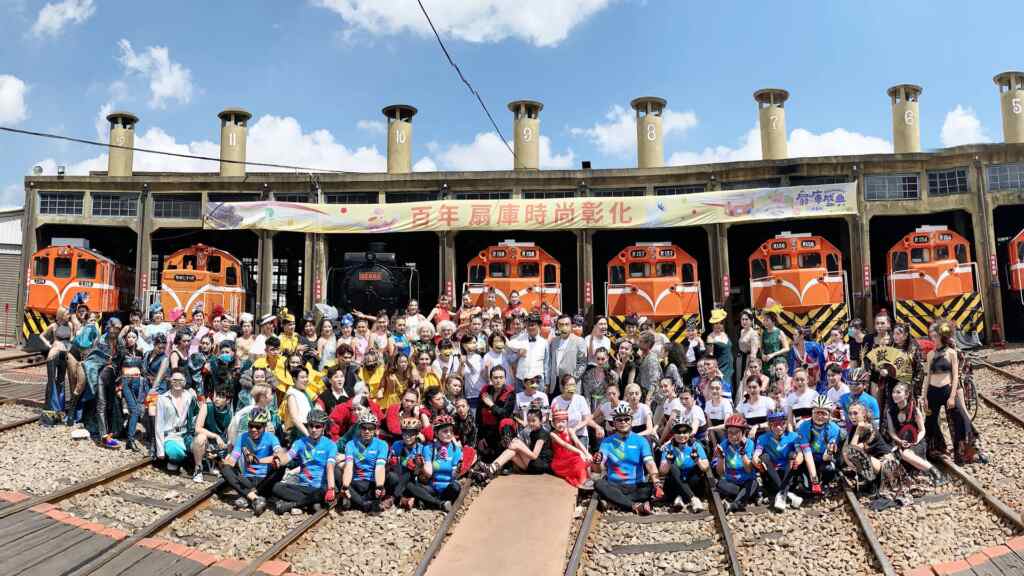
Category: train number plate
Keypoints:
(85, 284)
(184, 278)
(667, 253)
(497, 253)
(370, 276)
(920, 239)
(638, 254)
(778, 245)
(528, 253)
(808, 243)
(39, 281)
(945, 237)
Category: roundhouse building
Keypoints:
(138, 219)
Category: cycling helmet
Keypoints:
(411, 424)
(367, 420)
(259, 417)
(682, 425)
(442, 421)
(736, 421)
(777, 416)
(823, 403)
(622, 411)
(859, 375)
(317, 416)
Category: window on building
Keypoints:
(750, 184)
(666, 269)
(403, 197)
(86, 269)
(891, 187)
(680, 189)
(62, 267)
(115, 204)
(946, 182)
(481, 195)
(543, 194)
(529, 270)
(221, 197)
(60, 203)
(612, 192)
(286, 283)
(43, 266)
(295, 197)
(1005, 177)
(183, 206)
(352, 198)
(779, 261)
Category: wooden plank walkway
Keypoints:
(519, 525)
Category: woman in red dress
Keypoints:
(570, 458)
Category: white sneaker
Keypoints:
(780, 502)
(678, 503)
(296, 511)
(794, 500)
(696, 505)
(197, 477)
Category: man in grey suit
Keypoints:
(567, 354)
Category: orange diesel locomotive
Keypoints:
(653, 279)
(515, 266)
(204, 274)
(1015, 269)
(803, 274)
(930, 275)
(57, 273)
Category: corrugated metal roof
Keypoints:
(10, 227)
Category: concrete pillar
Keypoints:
(308, 271)
(122, 133)
(144, 247)
(232, 141)
(265, 294)
(1011, 98)
(447, 263)
(984, 233)
(906, 125)
(855, 273)
(718, 245)
(771, 115)
(650, 145)
(28, 248)
(399, 137)
(585, 265)
(526, 127)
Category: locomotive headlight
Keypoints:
(370, 256)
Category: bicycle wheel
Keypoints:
(970, 395)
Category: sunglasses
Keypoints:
(255, 426)
(316, 426)
(622, 419)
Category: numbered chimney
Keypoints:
(1011, 95)
(399, 138)
(650, 148)
(906, 131)
(122, 133)
(232, 141)
(526, 125)
(771, 115)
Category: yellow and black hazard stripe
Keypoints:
(34, 323)
(674, 328)
(820, 320)
(965, 311)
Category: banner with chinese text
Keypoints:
(553, 214)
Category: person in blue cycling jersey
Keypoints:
(683, 465)
(777, 456)
(859, 380)
(440, 486)
(408, 462)
(253, 454)
(623, 459)
(316, 456)
(362, 480)
(819, 442)
(734, 462)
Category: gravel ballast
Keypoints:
(14, 412)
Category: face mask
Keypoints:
(225, 358)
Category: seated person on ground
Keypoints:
(533, 457)
(362, 480)
(778, 457)
(623, 460)
(212, 425)
(316, 456)
(734, 462)
(683, 465)
(906, 429)
(495, 425)
(408, 463)
(252, 453)
(819, 442)
(442, 469)
(176, 412)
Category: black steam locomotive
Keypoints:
(372, 281)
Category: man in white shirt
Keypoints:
(567, 354)
(532, 350)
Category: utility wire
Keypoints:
(465, 81)
(162, 152)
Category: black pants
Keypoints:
(623, 496)
(363, 496)
(56, 381)
(432, 498)
(960, 429)
(740, 492)
(826, 471)
(300, 496)
(263, 485)
(684, 485)
(776, 480)
(398, 480)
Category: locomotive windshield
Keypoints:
(529, 270)
(497, 270)
(638, 270)
(42, 266)
(779, 261)
(810, 260)
(758, 268)
(920, 255)
(213, 264)
(666, 269)
(231, 277)
(961, 253)
(86, 269)
(899, 261)
(62, 267)
(618, 275)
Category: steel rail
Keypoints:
(74, 489)
(998, 506)
(581, 538)
(18, 423)
(723, 526)
(442, 532)
(294, 534)
(868, 531)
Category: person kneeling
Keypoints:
(734, 460)
(625, 456)
(362, 481)
(253, 452)
(778, 457)
(316, 456)
(683, 465)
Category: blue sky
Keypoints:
(316, 73)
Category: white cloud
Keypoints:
(372, 126)
(425, 164)
(54, 17)
(962, 126)
(13, 195)
(539, 22)
(168, 80)
(13, 108)
(272, 139)
(801, 143)
(617, 137)
(486, 152)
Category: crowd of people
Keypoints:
(379, 410)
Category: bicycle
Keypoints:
(969, 390)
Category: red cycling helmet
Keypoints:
(442, 420)
(736, 421)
